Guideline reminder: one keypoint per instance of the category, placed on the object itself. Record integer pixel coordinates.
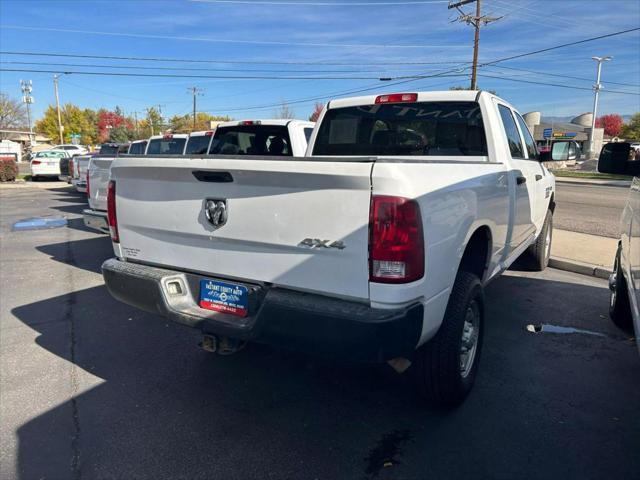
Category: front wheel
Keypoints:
(619, 306)
(540, 252)
(446, 366)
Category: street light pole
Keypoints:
(55, 87)
(596, 89)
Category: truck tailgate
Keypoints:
(99, 171)
(285, 220)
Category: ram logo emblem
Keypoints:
(216, 211)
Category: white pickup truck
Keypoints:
(375, 247)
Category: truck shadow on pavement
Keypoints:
(87, 254)
(542, 404)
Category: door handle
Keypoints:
(538, 178)
(521, 180)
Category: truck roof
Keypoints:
(442, 96)
(267, 121)
(202, 133)
(169, 135)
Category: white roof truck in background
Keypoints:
(262, 137)
(375, 247)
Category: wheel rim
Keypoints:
(470, 334)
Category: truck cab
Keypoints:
(262, 137)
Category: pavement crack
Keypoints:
(74, 380)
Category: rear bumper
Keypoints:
(96, 220)
(310, 323)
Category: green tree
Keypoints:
(184, 123)
(151, 125)
(74, 120)
(121, 134)
(631, 130)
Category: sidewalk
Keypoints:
(583, 253)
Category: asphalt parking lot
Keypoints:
(91, 388)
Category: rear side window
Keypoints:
(252, 140)
(166, 146)
(403, 129)
(198, 145)
(108, 149)
(528, 139)
(307, 133)
(137, 148)
(510, 129)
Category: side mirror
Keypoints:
(559, 153)
(618, 158)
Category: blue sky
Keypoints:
(349, 33)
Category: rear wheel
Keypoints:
(619, 306)
(446, 366)
(540, 252)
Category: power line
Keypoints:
(511, 79)
(170, 75)
(322, 4)
(225, 40)
(563, 76)
(138, 67)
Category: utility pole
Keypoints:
(149, 120)
(27, 87)
(596, 89)
(135, 124)
(55, 87)
(476, 21)
(195, 91)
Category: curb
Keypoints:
(582, 268)
(601, 183)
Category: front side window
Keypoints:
(166, 146)
(528, 139)
(137, 148)
(511, 131)
(403, 129)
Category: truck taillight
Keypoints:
(71, 167)
(35, 162)
(111, 212)
(397, 98)
(396, 245)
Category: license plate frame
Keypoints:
(224, 297)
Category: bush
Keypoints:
(8, 170)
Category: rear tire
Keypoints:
(540, 251)
(619, 306)
(446, 366)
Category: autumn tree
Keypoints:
(109, 121)
(184, 123)
(74, 121)
(612, 124)
(317, 110)
(12, 113)
(631, 130)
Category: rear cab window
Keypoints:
(166, 146)
(198, 144)
(403, 129)
(252, 140)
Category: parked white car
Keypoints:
(169, 144)
(262, 137)
(72, 149)
(624, 306)
(47, 163)
(376, 247)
